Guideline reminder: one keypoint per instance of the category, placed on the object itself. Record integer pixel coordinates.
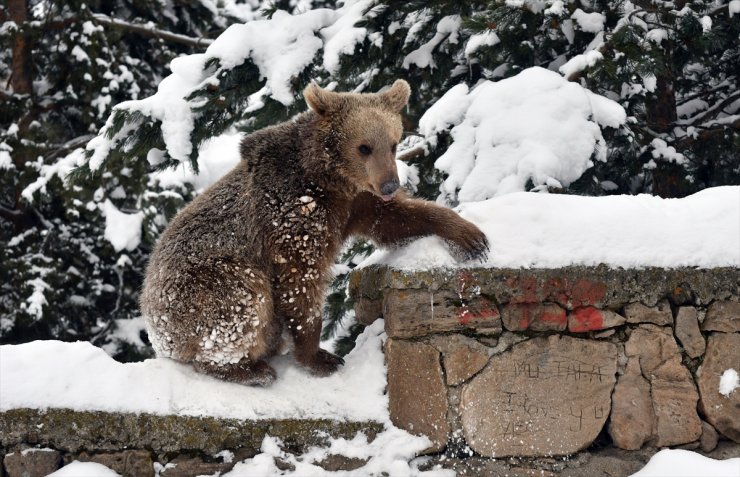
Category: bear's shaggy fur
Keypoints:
(249, 258)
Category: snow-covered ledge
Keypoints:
(540, 362)
(593, 316)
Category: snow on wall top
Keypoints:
(535, 126)
(79, 376)
(550, 230)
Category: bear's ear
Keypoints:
(397, 96)
(320, 100)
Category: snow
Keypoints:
(728, 382)
(552, 230)
(84, 469)
(216, 157)
(706, 23)
(389, 454)
(281, 47)
(60, 169)
(733, 7)
(580, 62)
(447, 28)
(122, 230)
(487, 38)
(589, 22)
(535, 126)
(79, 376)
(683, 463)
(661, 150)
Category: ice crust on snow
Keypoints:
(79, 376)
(535, 126)
(529, 229)
(683, 463)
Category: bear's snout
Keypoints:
(388, 188)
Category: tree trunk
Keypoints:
(21, 81)
(668, 179)
(21, 78)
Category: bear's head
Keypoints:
(360, 132)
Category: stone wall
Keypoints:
(34, 443)
(526, 363)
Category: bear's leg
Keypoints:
(300, 310)
(244, 372)
(218, 316)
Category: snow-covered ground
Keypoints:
(52, 374)
(79, 376)
(683, 463)
(45, 374)
(552, 230)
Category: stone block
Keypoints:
(417, 395)
(462, 356)
(672, 390)
(412, 313)
(688, 333)
(185, 466)
(32, 462)
(339, 462)
(709, 437)
(722, 316)
(588, 318)
(534, 316)
(659, 314)
(128, 463)
(546, 396)
(367, 310)
(632, 418)
(722, 412)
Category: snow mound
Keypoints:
(683, 463)
(550, 230)
(79, 376)
(84, 469)
(535, 126)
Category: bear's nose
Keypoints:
(389, 187)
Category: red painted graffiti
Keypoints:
(474, 307)
(585, 319)
(557, 290)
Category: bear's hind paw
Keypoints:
(324, 363)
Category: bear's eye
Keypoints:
(364, 150)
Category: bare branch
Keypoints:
(711, 112)
(151, 31)
(412, 153)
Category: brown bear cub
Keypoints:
(249, 258)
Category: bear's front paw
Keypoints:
(469, 243)
(324, 363)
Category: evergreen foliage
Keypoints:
(673, 66)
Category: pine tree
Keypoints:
(67, 63)
(674, 67)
